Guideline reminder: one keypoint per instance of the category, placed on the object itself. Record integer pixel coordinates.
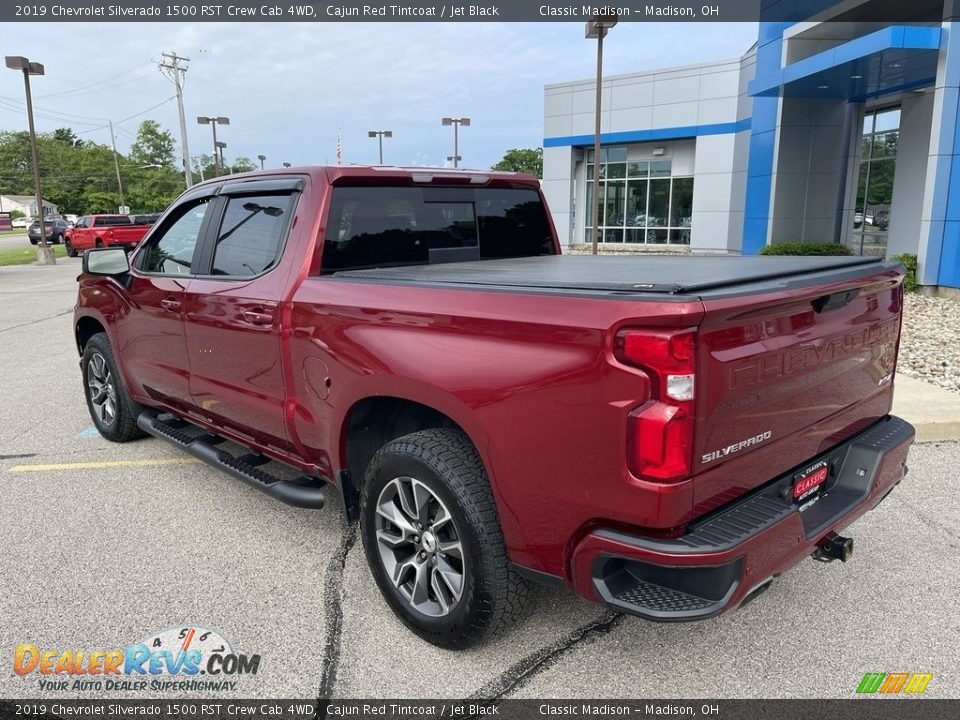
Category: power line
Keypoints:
(51, 111)
(45, 115)
(76, 91)
(129, 117)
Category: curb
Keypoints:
(932, 410)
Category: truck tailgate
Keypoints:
(128, 234)
(783, 375)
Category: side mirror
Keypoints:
(106, 261)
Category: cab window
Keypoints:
(171, 249)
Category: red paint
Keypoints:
(538, 381)
(96, 233)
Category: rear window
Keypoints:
(108, 220)
(251, 234)
(393, 226)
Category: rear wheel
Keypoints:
(98, 243)
(433, 541)
(70, 251)
(113, 412)
(33, 242)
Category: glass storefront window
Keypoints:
(878, 152)
(635, 209)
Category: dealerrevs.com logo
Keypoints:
(177, 659)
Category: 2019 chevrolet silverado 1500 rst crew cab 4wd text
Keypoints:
(663, 435)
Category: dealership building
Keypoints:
(837, 128)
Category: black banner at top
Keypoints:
(477, 11)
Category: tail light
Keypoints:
(660, 441)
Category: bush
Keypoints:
(909, 262)
(799, 248)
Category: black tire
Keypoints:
(70, 251)
(121, 424)
(98, 243)
(33, 242)
(445, 462)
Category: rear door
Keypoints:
(151, 335)
(233, 312)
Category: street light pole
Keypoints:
(220, 146)
(456, 122)
(44, 252)
(261, 158)
(213, 122)
(380, 135)
(597, 28)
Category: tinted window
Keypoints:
(251, 234)
(393, 226)
(171, 249)
(110, 220)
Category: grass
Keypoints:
(15, 231)
(27, 255)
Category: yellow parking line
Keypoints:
(104, 464)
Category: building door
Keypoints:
(874, 193)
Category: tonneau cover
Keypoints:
(616, 273)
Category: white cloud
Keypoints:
(288, 88)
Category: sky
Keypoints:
(288, 88)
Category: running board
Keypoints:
(302, 492)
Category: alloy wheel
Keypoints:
(419, 546)
(103, 393)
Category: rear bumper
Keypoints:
(732, 554)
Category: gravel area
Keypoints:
(930, 343)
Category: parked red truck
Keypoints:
(664, 435)
(97, 231)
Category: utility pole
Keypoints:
(116, 165)
(175, 72)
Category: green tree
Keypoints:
(243, 164)
(153, 146)
(67, 137)
(525, 160)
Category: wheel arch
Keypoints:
(373, 421)
(86, 327)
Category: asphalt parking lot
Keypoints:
(139, 538)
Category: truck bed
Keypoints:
(668, 274)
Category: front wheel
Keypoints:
(113, 412)
(433, 541)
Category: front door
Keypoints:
(150, 333)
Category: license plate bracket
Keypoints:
(809, 484)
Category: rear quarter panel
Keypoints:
(529, 377)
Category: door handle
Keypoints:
(170, 304)
(258, 317)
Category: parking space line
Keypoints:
(104, 464)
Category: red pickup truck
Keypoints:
(662, 434)
(97, 231)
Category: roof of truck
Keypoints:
(417, 175)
